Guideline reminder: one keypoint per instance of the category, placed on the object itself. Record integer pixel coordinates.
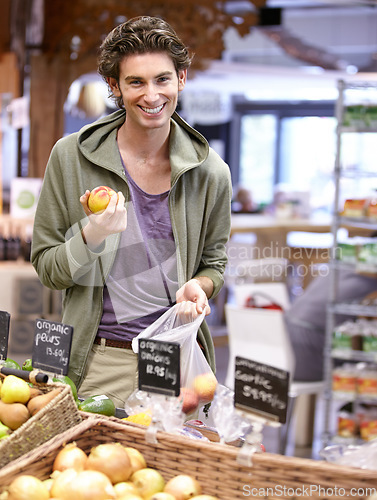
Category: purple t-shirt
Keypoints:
(143, 280)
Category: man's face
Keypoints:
(149, 86)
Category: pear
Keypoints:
(4, 431)
(14, 390)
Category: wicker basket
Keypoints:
(213, 464)
(59, 415)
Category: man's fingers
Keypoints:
(201, 306)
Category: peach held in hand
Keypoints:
(205, 386)
(99, 198)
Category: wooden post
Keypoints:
(9, 84)
(50, 82)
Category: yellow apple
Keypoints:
(183, 487)
(205, 386)
(99, 198)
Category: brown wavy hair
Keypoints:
(140, 35)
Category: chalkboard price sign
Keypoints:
(52, 346)
(159, 367)
(4, 334)
(261, 389)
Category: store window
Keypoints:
(307, 157)
(258, 139)
(285, 146)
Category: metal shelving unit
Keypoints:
(334, 306)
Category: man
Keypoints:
(162, 237)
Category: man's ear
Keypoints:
(113, 84)
(182, 77)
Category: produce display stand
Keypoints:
(213, 464)
(58, 416)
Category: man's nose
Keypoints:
(151, 92)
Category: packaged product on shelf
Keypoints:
(354, 115)
(371, 115)
(370, 343)
(341, 338)
(344, 380)
(371, 206)
(369, 335)
(347, 422)
(367, 256)
(367, 380)
(360, 115)
(354, 207)
(370, 300)
(368, 427)
(348, 250)
(347, 336)
(367, 417)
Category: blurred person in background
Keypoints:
(306, 318)
(243, 202)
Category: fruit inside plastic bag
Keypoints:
(141, 418)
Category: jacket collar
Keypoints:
(188, 148)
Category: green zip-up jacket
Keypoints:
(199, 204)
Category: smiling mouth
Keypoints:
(152, 111)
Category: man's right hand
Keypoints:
(111, 221)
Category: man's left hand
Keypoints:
(192, 291)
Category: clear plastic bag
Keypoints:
(230, 424)
(179, 324)
(362, 456)
(159, 412)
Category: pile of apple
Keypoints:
(108, 471)
(202, 392)
(18, 402)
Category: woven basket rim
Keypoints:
(214, 465)
(265, 460)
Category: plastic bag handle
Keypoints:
(165, 318)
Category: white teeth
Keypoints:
(152, 111)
